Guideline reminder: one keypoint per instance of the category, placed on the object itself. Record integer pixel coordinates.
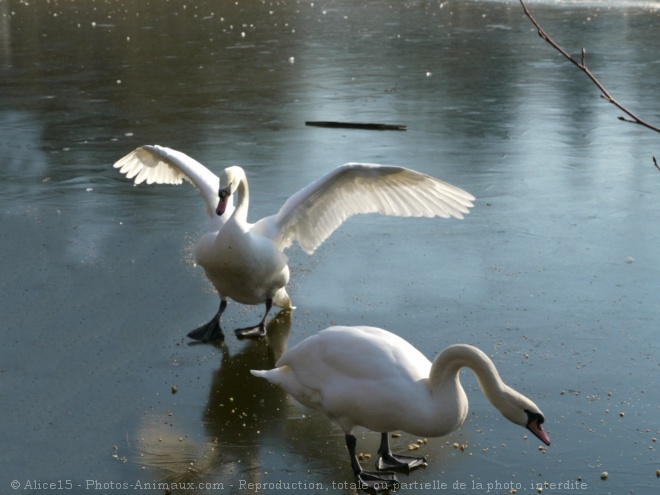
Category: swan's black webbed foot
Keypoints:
(258, 332)
(388, 460)
(212, 330)
(371, 482)
(397, 462)
(376, 482)
(208, 332)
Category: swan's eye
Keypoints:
(531, 416)
(223, 193)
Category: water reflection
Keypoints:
(239, 413)
(24, 163)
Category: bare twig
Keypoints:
(632, 118)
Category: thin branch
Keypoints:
(634, 119)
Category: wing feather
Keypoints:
(161, 165)
(311, 215)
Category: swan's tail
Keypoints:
(276, 376)
(259, 373)
(282, 299)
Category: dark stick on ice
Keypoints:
(357, 125)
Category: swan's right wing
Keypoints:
(161, 165)
(316, 211)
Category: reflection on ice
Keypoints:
(235, 418)
(23, 162)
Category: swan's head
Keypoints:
(534, 421)
(230, 178)
(520, 410)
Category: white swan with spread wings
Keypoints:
(246, 262)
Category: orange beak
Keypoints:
(536, 428)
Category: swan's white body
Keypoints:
(244, 261)
(366, 376)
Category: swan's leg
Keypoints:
(366, 480)
(211, 330)
(388, 460)
(257, 331)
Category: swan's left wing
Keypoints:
(315, 212)
(162, 165)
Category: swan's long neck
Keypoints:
(242, 200)
(449, 362)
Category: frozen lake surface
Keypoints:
(554, 273)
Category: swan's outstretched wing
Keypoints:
(315, 212)
(161, 165)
